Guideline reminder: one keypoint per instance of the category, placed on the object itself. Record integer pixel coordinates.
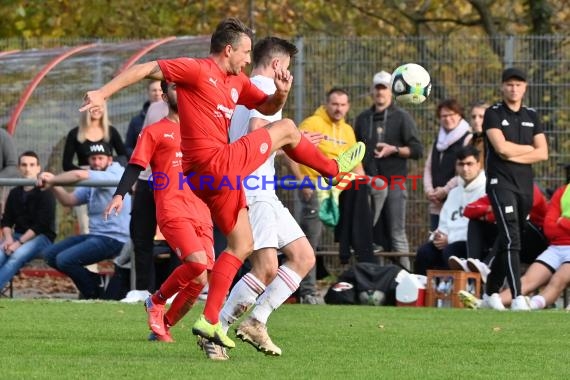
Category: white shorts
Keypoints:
(272, 224)
(555, 256)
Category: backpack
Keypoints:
(365, 284)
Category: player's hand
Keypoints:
(115, 206)
(307, 193)
(283, 80)
(92, 99)
(314, 137)
(44, 179)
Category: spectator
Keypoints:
(391, 138)
(94, 127)
(28, 223)
(450, 237)
(8, 156)
(154, 93)
(514, 139)
(106, 237)
(439, 170)
(8, 162)
(338, 136)
(550, 272)
(476, 122)
(143, 214)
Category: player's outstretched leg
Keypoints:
(255, 333)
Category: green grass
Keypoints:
(106, 340)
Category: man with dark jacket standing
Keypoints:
(391, 138)
(514, 140)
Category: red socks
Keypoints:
(178, 279)
(223, 273)
(307, 154)
(182, 303)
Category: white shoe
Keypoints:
(521, 303)
(455, 263)
(255, 333)
(493, 302)
(476, 265)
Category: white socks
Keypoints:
(241, 298)
(277, 292)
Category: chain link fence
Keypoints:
(464, 67)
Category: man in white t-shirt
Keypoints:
(267, 285)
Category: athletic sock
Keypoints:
(277, 292)
(241, 298)
(537, 302)
(307, 154)
(182, 303)
(178, 279)
(223, 273)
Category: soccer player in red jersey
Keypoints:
(182, 217)
(208, 91)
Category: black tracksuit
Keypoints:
(510, 189)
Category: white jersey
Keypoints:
(260, 183)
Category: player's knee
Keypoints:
(202, 279)
(195, 267)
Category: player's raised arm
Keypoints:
(128, 77)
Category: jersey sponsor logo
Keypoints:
(178, 155)
(234, 94)
(223, 110)
(169, 135)
(504, 123)
(527, 124)
(509, 209)
(213, 81)
(263, 148)
(494, 181)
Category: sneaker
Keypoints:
(212, 350)
(476, 265)
(153, 337)
(469, 300)
(155, 317)
(521, 303)
(455, 263)
(214, 333)
(493, 302)
(255, 333)
(348, 160)
(311, 299)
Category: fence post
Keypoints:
(509, 56)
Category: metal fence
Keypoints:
(465, 67)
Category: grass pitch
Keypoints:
(43, 339)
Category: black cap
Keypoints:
(99, 148)
(513, 72)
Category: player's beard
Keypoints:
(172, 103)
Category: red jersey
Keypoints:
(556, 227)
(207, 98)
(159, 145)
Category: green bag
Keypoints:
(329, 212)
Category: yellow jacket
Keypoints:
(338, 137)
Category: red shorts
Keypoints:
(186, 238)
(218, 182)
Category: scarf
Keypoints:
(445, 139)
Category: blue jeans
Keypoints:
(11, 264)
(69, 256)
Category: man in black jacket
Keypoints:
(391, 138)
(28, 223)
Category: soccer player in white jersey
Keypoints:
(267, 285)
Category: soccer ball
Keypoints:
(411, 84)
(371, 297)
